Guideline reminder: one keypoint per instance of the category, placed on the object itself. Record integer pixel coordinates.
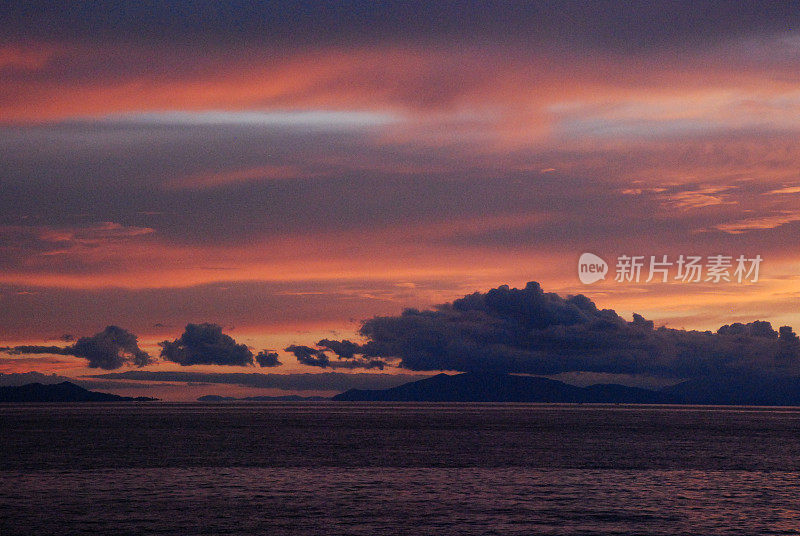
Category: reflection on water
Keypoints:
(397, 469)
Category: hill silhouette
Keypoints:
(499, 387)
(751, 391)
(60, 392)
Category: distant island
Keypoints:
(61, 392)
(501, 387)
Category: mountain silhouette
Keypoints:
(60, 392)
(498, 387)
(750, 391)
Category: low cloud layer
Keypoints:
(205, 344)
(110, 349)
(530, 331)
(321, 381)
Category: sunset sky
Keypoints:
(287, 170)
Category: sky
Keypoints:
(286, 171)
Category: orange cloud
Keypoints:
(668, 133)
(759, 223)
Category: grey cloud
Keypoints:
(266, 358)
(205, 344)
(110, 349)
(318, 357)
(306, 355)
(36, 349)
(345, 349)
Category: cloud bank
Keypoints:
(530, 331)
(321, 381)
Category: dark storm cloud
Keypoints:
(530, 331)
(306, 355)
(346, 349)
(110, 349)
(322, 381)
(581, 24)
(265, 358)
(788, 345)
(205, 344)
(318, 357)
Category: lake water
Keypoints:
(417, 469)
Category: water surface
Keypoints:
(320, 468)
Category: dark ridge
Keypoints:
(749, 391)
(496, 387)
(60, 392)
